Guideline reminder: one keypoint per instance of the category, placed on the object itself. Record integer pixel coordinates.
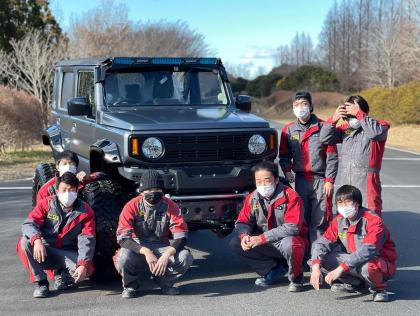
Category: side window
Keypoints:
(66, 89)
(85, 86)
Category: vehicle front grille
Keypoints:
(205, 147)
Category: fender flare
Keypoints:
(103, 152)
(51, 136)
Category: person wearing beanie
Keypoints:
(363, 141)
(144, 227)
(314, 164)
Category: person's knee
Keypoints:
(25, 245)
(286, 246)
(125, 258)
(235, 244)
(186, 259)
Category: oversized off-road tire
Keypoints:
(43, 173)
(106, 199)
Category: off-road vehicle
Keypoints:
(124, 115)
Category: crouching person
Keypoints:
(143, 234)
(270, 232)
(367, 255)
(58, 235)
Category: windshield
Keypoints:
(165, 86)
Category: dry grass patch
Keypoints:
(21, 164)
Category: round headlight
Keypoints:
(152, 148)
(257, 144)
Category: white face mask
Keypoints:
(354, 123)
(347, 211)
(266, 190)
(302, 112)
(67, 168)
(67, 198)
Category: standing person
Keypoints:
(59, 234)
(315, 164)
(271, 229)
(367, 254)
(363, 144)
(143, 234)
(67, 161)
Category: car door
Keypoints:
(66, 91)
(82, 130)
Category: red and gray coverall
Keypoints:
(367, 252)
(314, 164)
(69, 238)
(149, 226)
(281, 225)
(50, 187)
(361, 155)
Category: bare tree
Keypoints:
(30, 67)
(106, 31)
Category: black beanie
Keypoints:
(149, 180)
(303, 95)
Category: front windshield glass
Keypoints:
(164, 86)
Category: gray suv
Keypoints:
(125, 115)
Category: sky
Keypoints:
(243, 33)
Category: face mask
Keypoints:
(347, 211)
(266, 190)
(302, 112)
(354, 123)
(153, 197)
(67, 198)
(67, 168)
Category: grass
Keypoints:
(21, 164)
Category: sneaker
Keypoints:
(295, 287)
(170, 290)
(129, 292)
(272, 277)
(63, 280)
(41, 290)
(343, 287)
(380, 296)
(349, 288)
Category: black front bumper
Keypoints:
(208, 196)
(200, 179)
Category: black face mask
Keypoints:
(153, 197)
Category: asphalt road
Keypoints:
(219, 283)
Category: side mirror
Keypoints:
(79, 106)
(243, 103)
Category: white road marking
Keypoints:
(401, 158)
(404, 150)
(401, 185)
(392, 185)
(15, 188)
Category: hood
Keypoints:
(170, 118)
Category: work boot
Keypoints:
(170, 290)
(42, 289)
(272, 277)
(380, 296)
(129, 292)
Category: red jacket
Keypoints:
(49, 188)
(46, 221)
(284, 215)
(135, 223)
(365, 239)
